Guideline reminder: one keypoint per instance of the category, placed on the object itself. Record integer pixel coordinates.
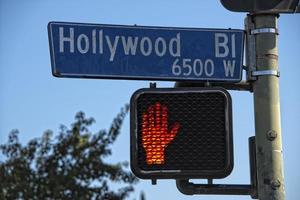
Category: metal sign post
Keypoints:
(267, 109)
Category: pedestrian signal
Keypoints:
(181, 133)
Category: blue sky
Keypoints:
(32, 100)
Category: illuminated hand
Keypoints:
(155, 134)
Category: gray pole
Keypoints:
(267, 110)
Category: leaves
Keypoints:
(68, 166)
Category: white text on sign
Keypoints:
(96, 42)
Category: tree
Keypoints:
(68, 166)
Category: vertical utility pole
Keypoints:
(267, 109)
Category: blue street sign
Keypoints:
(147, 53)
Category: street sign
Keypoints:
(181, 133)
(146, 53)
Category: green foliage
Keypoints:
(68, 166)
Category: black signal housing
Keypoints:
(262, 6)
(197, 130)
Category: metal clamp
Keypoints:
(264, 30)
(266, 73)
(189, 188)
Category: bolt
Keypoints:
(271, 135)
(152, 84)
(275, 184)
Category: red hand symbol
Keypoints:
(155, 134)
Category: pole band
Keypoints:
(266, 73)
(264, 30)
